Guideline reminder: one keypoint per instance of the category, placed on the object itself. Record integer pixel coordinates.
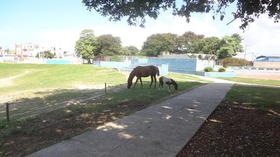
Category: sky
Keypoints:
(59, 22)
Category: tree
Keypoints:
(46, 54)
(184, 42)
(130, 50)
(158, 43)
(86, 45)
(230, 45)
(107, 45)
(136, 10)
(208, 45)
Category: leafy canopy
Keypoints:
(86, 45)
(158, 43)
(137, 10)
(108, 45)
(190, 42)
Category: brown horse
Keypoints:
(143, 71)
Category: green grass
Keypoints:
(48, 85)
(45, 85)
(137, 95)
(112, 106)
(186, 77)
(56, 76)
(258, 97)
(254, 81)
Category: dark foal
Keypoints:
(167, 81)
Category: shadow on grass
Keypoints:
(20, 138)
(49, 100)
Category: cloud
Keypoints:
(131, 35)
(261, 37)
(64, 38)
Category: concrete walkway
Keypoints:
(158, 131)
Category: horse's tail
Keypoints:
(157, 71)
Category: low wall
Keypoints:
(267, 64)
(217, 74)
(128, 66)
(57, 61)
(119, 65)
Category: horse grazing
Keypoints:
(168, 81)
(143, 71)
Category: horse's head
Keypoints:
(129, 83)
(174, 84)
(130, 78)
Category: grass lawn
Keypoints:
(39, 76)
(258, 97)
(20, 138)
(30, 87)
(246, 123)
(254, 81)
(33, 88)
(186, 77)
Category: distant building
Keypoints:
(1, 52)
(31, 50)
(27, 49)
(267, 62)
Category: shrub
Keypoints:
(116, 59)
(222, 69)
(235, 62)
(208, 69)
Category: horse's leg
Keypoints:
(152, 80)
(141, 82)
(135, 82)
(155, 78)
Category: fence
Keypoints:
(128, 66)
(34, 60)
(178, 65)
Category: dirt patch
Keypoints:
(9, 80)
(237, 130)
(40, 132)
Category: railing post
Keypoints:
(8, 111)
(105, 88)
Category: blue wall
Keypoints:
(57, 61)
(174, 64)
(217, 74)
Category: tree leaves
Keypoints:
(137, 10)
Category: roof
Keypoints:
(267, 59)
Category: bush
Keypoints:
(222, 69)
(236, 62)
(208, 69)
(116, 59)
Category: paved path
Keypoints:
(158, 131)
